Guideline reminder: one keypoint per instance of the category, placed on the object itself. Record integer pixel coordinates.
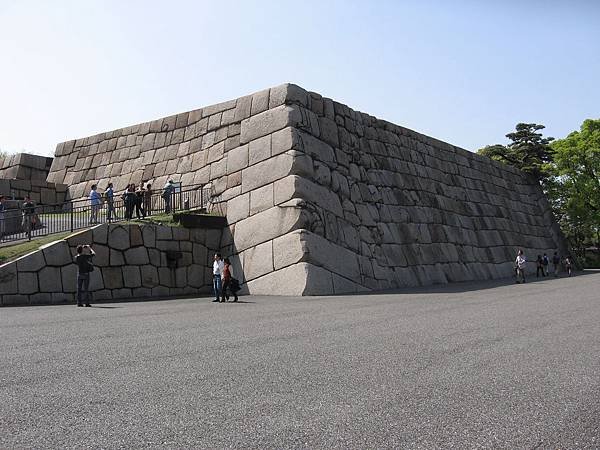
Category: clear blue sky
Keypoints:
(462, 71)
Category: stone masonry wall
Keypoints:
(23, 166)
(323, 199)
(131, 262)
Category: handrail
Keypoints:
(18, 224)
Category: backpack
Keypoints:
(166, 193)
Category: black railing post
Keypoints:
(71, 213)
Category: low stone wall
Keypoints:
(41, 192)
(24, 166)
(132, 261)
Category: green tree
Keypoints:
(574, 188)
(528, 151)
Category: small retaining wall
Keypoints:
(131, 262)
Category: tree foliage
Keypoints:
(529, 151)
(574, 188)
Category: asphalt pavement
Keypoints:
(470, 365)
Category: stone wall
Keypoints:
(24, 174)
(323, 199)
(131, 262)
(41, 192)
(23, 166)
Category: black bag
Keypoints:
(234, 285)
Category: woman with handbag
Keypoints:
(84, 268)
(227, 276)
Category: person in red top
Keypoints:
(227, 275)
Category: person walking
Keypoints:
(95, 203)
(520, 262)
(217, 273)
(85, 253)
(569, 265)
(227, 278)
(555, 264)
(545, 263)
(167, 195)
(109, 195)
(28, 223)
(539, 264)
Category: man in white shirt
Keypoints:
(520, 263)
(217, 272)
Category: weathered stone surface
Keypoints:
(274, 169)
(116, 258)
(28, 283)
(118, 237)
(132, 277)
(137, 256)
(57, 253)
(149, 276)
(31, 262)
(135, 236)
(238, 208)
(298, 279)
(69, 278)
(100, 234)
(113, 277)
(267, 225)
(267, 122)
(50, 279)
(258, 260)
(261, 199)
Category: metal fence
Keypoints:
(27, 223)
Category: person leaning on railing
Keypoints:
(148, 200)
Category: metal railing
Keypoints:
(41, 220)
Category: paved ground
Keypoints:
(471, 365)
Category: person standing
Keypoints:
(28, 216)
(148, 199)
(2, 219)
(84, 268)
(520, 262)
(129, 200)
(139, 201)
(95, 203)
(109, 195)
(217, 273)
(167, 195)
(555, 264)
(539, 264)
(227, 277)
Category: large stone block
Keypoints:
(149, 276)
(295, 186)
(69, 278)
(298, 279)
(268, 225)
(113, 277)
(31, 262)
(118, 237)
(28, 283)
(258, 260)
(132, 277)
(137, 256)
(57, 253)
(274, 169)
(50, 279)
(268, 122)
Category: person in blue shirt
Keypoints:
(95, 203)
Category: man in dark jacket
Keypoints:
(84, 267)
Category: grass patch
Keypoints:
(15, 251)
